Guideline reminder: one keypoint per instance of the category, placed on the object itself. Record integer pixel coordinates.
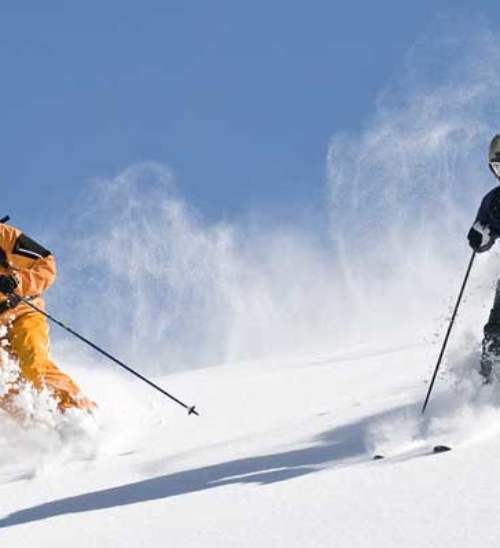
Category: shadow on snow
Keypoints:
(345, 445)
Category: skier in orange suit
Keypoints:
(28, 269)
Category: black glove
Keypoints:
(480, 238)
(8, 284)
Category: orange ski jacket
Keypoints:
(30, 263)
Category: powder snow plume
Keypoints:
(404, 190)
(146, 275)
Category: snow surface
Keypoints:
(280, 456)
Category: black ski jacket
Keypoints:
(489, 212)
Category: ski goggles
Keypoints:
(495, 168)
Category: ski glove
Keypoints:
(480, 238)
(8, 284)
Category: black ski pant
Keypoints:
(491, 341)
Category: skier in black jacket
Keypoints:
(482, 236)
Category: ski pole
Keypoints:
(191, 409)
(450, 326)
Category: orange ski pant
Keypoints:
(27, 339)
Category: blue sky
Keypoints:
(240, 99)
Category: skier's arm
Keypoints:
(485, 231)
(39, 276)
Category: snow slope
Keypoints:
(280, 456)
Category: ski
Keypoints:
(436, 449)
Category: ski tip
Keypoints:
(378, 457)
(441, 449)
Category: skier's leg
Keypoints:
(490, 358)
(29, 341)
(7, 400)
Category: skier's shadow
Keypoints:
(342, 446)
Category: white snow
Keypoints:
(280, 456)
